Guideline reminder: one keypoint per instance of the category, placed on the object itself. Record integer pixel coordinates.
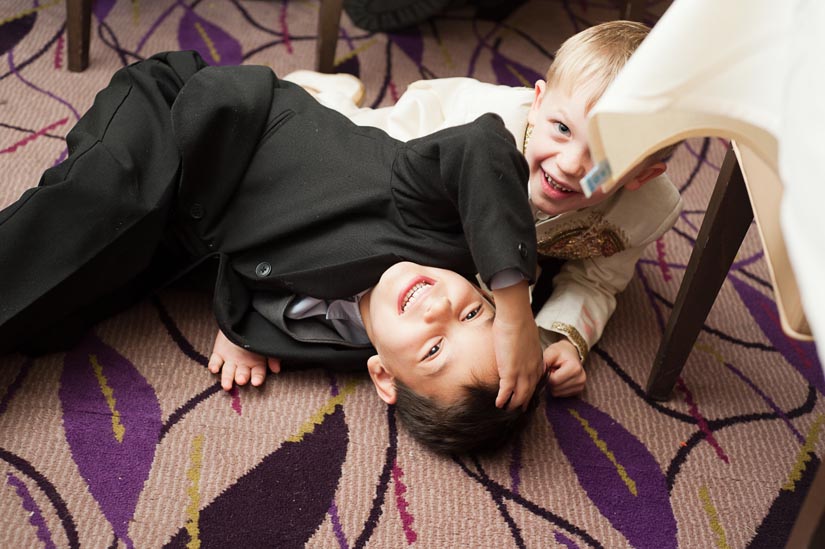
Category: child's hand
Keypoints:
(239, 365)
(565, 373)
(517, 347)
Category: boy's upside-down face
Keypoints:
(432, 330)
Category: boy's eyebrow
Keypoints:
(559, 112)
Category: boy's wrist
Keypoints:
(569, 344)
(513, 302)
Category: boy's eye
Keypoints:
(562, 128)
(474, 313)
(433, 351)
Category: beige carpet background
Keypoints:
(127, 441)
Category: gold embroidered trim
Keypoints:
(581, 239)
(528, 132)
(574, 336)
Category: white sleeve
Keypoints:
(584, 297)
(431, 105)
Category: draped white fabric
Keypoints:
(747, 70)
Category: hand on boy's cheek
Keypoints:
(565, 375)
(518, 355)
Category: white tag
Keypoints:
(595, 178)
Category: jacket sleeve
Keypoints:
(478, 174)
(218, 119)
(584, 297)
(584, 290)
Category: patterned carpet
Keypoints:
(127, 440)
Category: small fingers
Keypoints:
(227, 376)
(521, 397)
(242, 374)
(560, 376)
(505, 395)
(551, 355)
(215, 363)
(567, 390)
(570, 386)
(274, 365)
(258, 374)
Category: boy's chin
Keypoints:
(548, 207)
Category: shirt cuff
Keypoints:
(560, 329)
(506, 278)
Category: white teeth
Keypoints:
(556, 185)
(412, 295)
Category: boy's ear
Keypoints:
(382, 379)
(538, 94)
(646, 174)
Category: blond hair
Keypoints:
(589, 61)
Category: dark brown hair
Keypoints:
(473, 424)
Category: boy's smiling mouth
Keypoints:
(551, 185)
(414, 291)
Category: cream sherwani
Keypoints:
(600, 244)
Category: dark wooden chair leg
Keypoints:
(808, 531)
(79, 22)
(633, 10)
(726, 222)
(329, 21)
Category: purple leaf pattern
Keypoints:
(35, 514)
(349, 65)
(215, 45)
(800, 354)
(112, 420)
(101, 8)
(284, 498)
(15, 28)
(618, 473)
(512, 73)
(411, 43)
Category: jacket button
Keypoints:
(196, 211)
(522, 249)
(263, 269)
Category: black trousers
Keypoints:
(93, 236)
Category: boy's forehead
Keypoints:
(588, 86)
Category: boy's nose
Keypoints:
(436, 307)
(574, 160)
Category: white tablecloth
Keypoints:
(748, 70)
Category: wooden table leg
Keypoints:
(329, 21)
(79, 22)
(808, 531)
(633, 10)
(726, 222)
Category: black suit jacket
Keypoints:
(295, 199)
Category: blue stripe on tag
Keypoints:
(596, 177)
